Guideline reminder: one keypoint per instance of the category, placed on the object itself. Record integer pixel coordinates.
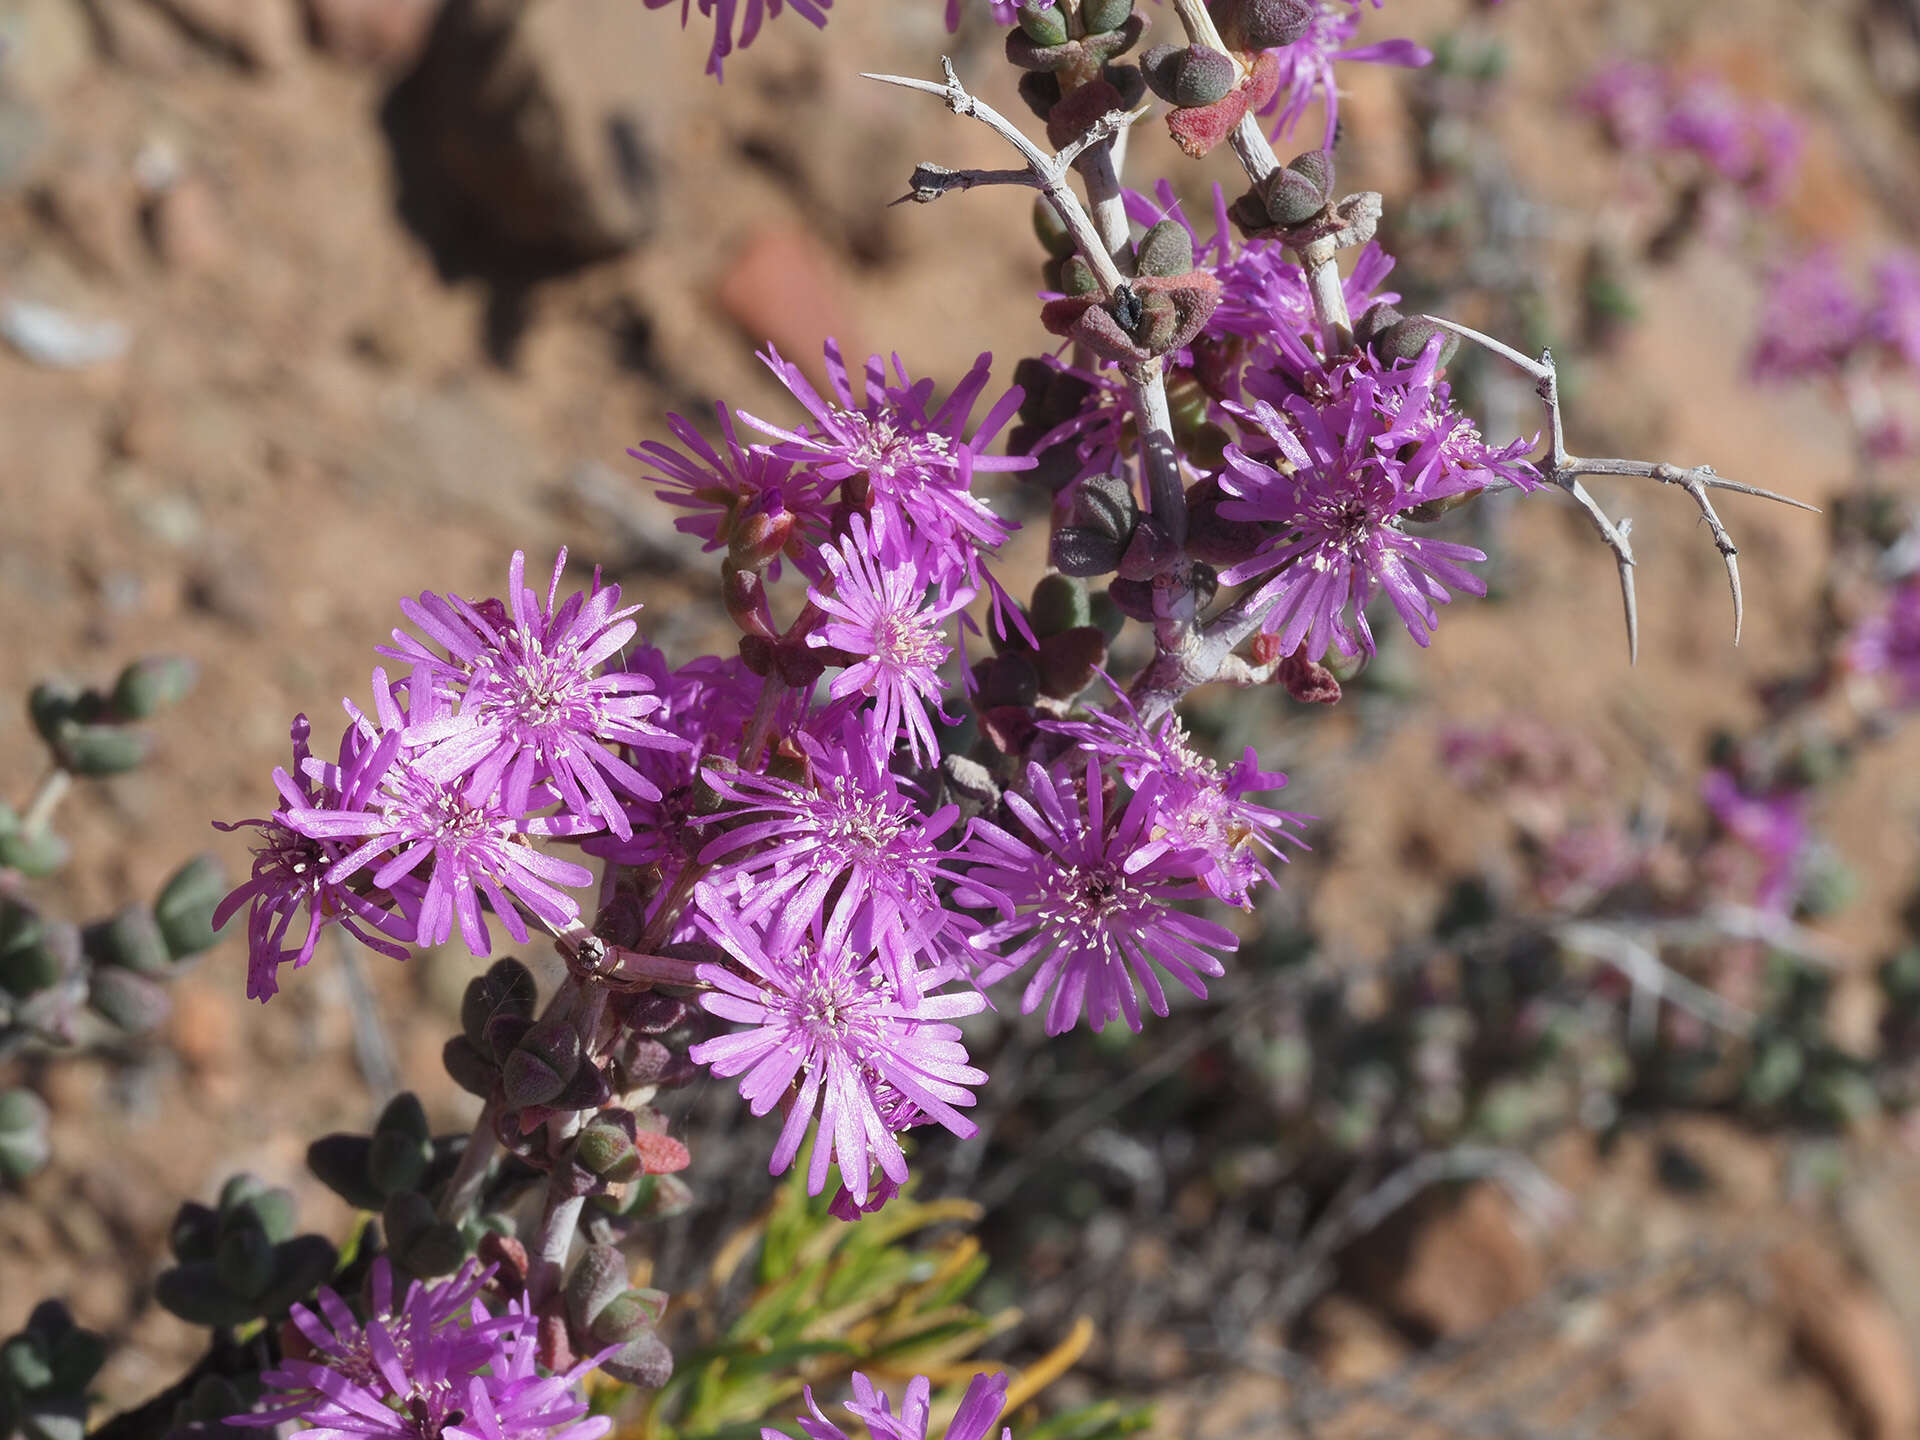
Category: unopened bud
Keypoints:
(1166, 249)
(547, 1057)
(1265, 24)
(1379, 318)
(599, 1277)
(1290, 197)
(760, 532)
(1078, 278)
(34, 856)
(644, 1361)
(605, 1147)
(744, 592)
(1407, 339)
(1103, 16)
(1079, 551)
(1105, 503)
(1188, 75)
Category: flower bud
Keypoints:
(1407, 339)
(129, 1001)
(744, 592)
(1105, 504)
(1188, 75)
(131, 939)
(1059, 603)
(1044, 23)
(1101, 17)
(184, 909)
(24, 1145)
(760, 532)
(757, 655)
(605, 1147)
(1249, 25)
(1378, 319)
(1293, 195)
(542, 1064)
(246, 1199)
(1077, 277)
(1166, 249)
(148, 686)
(507, 988)
(1159, 322)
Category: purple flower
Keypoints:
(292, 871)
(1199, 810)
(1340, 515)
(915, 465)
(1096, 903)
(1773, 828)
(787, 848)
(1896, 313)
(1433, 439)
(1812, 322)
(736, 23)
(381, 800)
(979, 1408)
(1306, 66)
(437, 1364)
(534, 705)
(1887, 645)
(1648, 110)
(829, 1035)
(721, 489)
(877, 614)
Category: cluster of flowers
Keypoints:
(1652, 111)
(437, 1364)
(1819, 323)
